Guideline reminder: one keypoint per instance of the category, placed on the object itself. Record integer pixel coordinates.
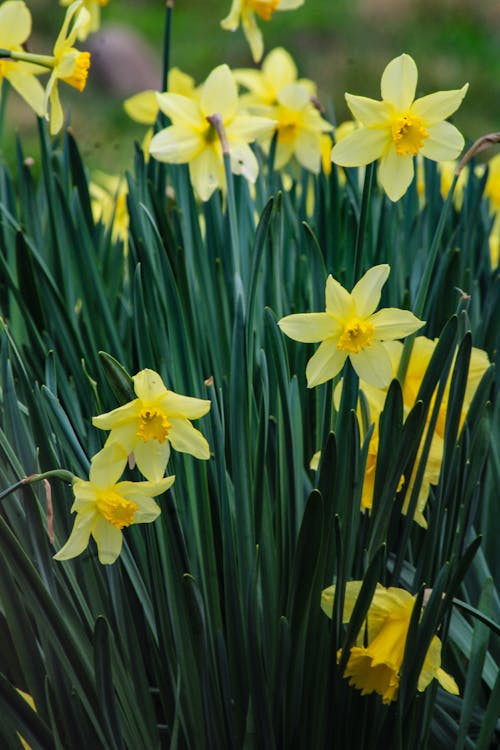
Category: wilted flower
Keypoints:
(246, 10)
(350, 327)
(104, 506)
(192, 137)
(15, 28)
(376, 659)
(94, 18)
(399, 127)
(155, 420)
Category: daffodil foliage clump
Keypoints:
(249, 452)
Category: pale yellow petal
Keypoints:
(284, 152)
(151, 458)
(444, 142)
(447, 682)
(108, 539)
(253, 35)
(308, 151)
(360, 147)
(186, 439)
(232, 20)
(290, 4)
(207, 173)
(15, 24)
(176, 404)
(279, 67)
(395, 173)
(181, 109)
(136, 490)
(142, 107)
(149, 386)
(243, 160)
(309, 328)
(29, 88)
(338, 301)
(373, 365)
(325, 363)
(369, 112)
(250, 127)
(439, 106)
(393, 323)
(219, 94)
(79, 538)
(314, 462)
(367, 291)
(399, 82)
(176, 145)
(107, 466)
(294, 96)
(56, 112)
(122, 415)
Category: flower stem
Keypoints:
(65, 476)
(423, 289)
(169, 6)
(360, 233)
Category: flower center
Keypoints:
(408, 133)
(115, 509)
(263, 9)
(153, 425)
(78, 78)
(357, 335)
(287, 126)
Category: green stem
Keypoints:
(65, 476)
(166, 43)
(46, 61)
(360, 233)
(425, 283)
(3, 104)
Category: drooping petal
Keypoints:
(176, 145)
(253, 35)
(182, 110)
(393, 323)
(186, 439)
(185, 406)
(232, 20)
(107, 466)
(447, 682)
(290, 4)
(243, 160)
(395, 173)
(308, 151)
(284, 152)
(373, 365)
(219, 93)
(368, 112)
(56, 111)
(338, 301)
(444, 142)
(29, 88)
(360, 147)
(207, 173)
(149, 386)
(309, 328)
(15, 24)
(399, 82)
(439, 106)
(366, 293)
(121, 415)
(151, 458)
(325, 363)
(79, 537)
(108, 539)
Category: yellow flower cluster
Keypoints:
(141, 432)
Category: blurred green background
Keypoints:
(343, 45)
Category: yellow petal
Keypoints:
(185, 406)
(15, 24)
(207, 173)
(294, 96)
(395, 172)
(279, 67)
(142, 107)
(123, 415)
(29, 88)
(79, 537)
(338, 301)
(186, 439)
(325, 363)
(232, 20)
(181, 109)
(366, 293)
(108, 539)
(399, 81)
(253, 35)
(360, 147)
(308, 151)
(309, 327)
(175, 145)
(107, 466)
(149, 386)
(250, 127)
(243, 160)
(393, 323)
(373, 365)
(151, 458)
(219, 94)
(444, 142)
(439, 106)
(368, 112)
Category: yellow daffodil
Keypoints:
(492, 192)
(246, 12)
(277, 71)
(69, 64)
(374, 664)
(154, 421)
(109, 203)
(15, 28)
(143, 107)
(94, 18)
(399, 127)
(300, 128)
(193, 139)
(350, 327)
(104, 506)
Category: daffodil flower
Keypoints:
(492, 192)
(375, 666)
(154, 421)
(108, 194)
(93, 22)
(278, 70)
(246, 12)
(104, 506)
(350, 327)
(399, 127)
(15, 28)
(192, 138)
(143, 107)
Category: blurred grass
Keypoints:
(342, 45)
